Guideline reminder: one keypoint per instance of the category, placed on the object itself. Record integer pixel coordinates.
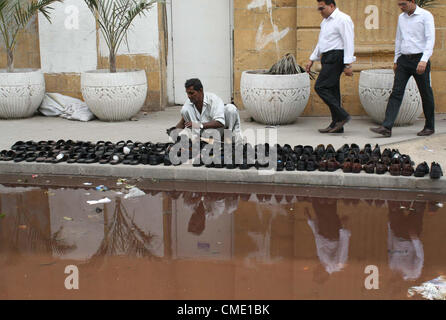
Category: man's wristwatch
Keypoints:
(201, 125)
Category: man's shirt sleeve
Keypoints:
(429, 30)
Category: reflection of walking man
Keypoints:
(405, 249)
(332, 239)
(414, 44)
(335, 49)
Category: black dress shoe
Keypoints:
(382, 131)
(421, 170)
(425, 132)
(436, 171)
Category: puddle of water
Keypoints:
(188, 241)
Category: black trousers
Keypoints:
(328, 84)
(407, 67)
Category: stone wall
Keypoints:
(374, 47)
(264, 31)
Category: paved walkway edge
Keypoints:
(190, 173)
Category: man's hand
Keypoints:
(348, 71)
(194, 125)
(308, 66)
(395, 65)
(421, 67)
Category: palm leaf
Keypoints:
(115, 19)
(15, 16)
(288, 65)
(424, 3)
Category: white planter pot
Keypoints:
(114, 96)
(21, 93)
(375, 87)
(274, 99)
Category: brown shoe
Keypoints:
(382, 130)
(395, 167)
(325, 130)
(369, 167)
(425, 132)
(333, 165)
(407, 169)
(323, 165)
(356, 167)
(381, 168)
(339, 125)
(347, 167)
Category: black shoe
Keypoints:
(311, 165)
(301, 165)
(290, 165)
(436, 171)
(279, 165)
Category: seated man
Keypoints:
(205, 110)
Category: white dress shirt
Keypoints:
(415, 34)
(213, 109)
(333, 254)
(337, 33)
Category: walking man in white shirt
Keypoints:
(335, 49)
(414, 44)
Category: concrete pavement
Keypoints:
(151, 127)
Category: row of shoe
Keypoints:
(349, 158)
(126, 152)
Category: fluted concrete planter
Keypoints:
(21, 93)
(375, 87)
(114, 96)
(274, 99)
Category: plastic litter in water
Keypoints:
(440, 205)
(427, 149)
(101, 188)
(68, 218)
(87, 183)
(134, 192)
(432, 290)
(104, 200)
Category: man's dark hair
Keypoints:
(196, 83)
(328, 2)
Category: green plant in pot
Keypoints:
(22, 90)
(113, 94)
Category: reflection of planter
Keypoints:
(114, 96)
(375, 87)
(21, 93)
(274, 99)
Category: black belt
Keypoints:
(413, 56)
(332, 51)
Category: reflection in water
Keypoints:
(294, 243)
(405, 249)
(331, 238)
(123, 236)
(25, 228)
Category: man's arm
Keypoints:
(348, 38)
(429, 31)
(398, 40)
(181, 124)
